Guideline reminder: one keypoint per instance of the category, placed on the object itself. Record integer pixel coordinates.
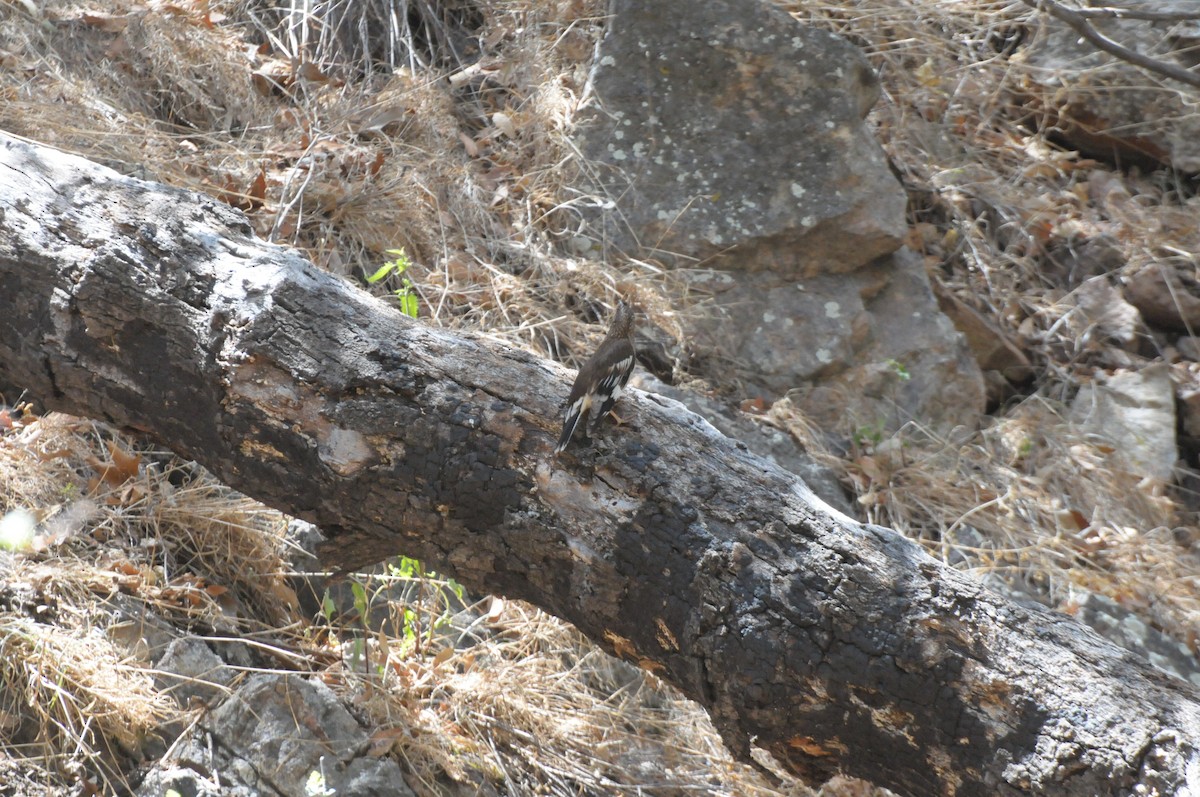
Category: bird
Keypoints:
(602, 378)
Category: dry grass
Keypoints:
(71, 704)
(1037, 501)
(457, 152)
(106, 522)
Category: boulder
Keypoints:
(912, 365)
(281, 735)
(190, 670)
(728, 134)
(1135, 410)
(870, 348)
(730, 140)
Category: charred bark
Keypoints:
(834, 646)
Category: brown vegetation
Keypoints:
(456, 157)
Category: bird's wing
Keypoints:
(612, 382)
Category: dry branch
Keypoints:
(832, 645)
(1077, 19)
(1112, 12)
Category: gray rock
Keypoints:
(870, 348)
(1136, 411)
(733, 135)
(1188, 348)
(373, 777)
(1103, 316)
(277, 735)
(189, 669)
(1108, 618)
(1125, 628)
(1186, 378)
(186, 782)
(137, 628)
(727, 133)
(913, 364)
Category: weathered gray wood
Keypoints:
(833, 645)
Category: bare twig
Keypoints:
(1079, 23)
(1108, 12)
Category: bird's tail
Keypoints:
(574, 414)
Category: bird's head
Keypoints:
(622, 322)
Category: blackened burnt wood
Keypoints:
(833, 645)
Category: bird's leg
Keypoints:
(617, 422)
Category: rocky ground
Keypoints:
(966, 312)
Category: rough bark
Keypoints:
(833, 645)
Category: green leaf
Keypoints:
(899, 369)
(360, 599)
(358, 651)
(408, 303)
(328, 607)
(401, 262)
(381, 272)
(410, 625)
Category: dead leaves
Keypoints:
(197, 13)
(119, 49)
(113, 483)
(16, 417)
(119, 474)
(107, 23)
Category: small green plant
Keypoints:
(412, 628)
(420, 602)
(406, 293)
(426, 582)
(328, 608)
(899, 370)
(362, 604)
(869, 435)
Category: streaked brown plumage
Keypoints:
(602, 378)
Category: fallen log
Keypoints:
(832, 645)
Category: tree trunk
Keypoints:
(833, 645)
